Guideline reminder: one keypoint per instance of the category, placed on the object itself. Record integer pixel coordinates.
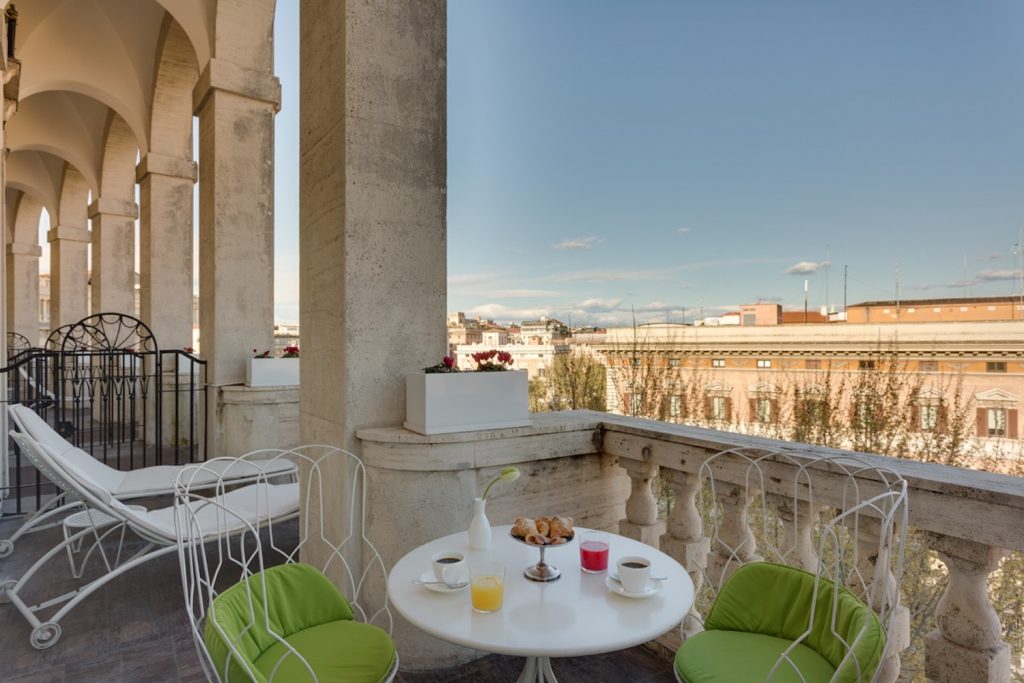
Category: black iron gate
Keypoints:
(105, 385)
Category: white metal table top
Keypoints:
(575, 615)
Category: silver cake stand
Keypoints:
(542, 571)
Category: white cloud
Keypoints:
(807, 267)
(612, 275)
(578, 243)
(998, 275)
(682, 231)
(520, 293)
(467, 279)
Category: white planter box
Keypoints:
(272, 372)
(445, 402)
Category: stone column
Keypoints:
(732, 541)
(685, 539)
(641, 522)
(968, 645)
(373, 233)
(11, 69)
(165, 246)
(69, 274)
(373, 284)
(113, 255)
(23, 289)
(236, 108)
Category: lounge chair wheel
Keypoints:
(4, 587)
(6, 548)
(45, 635)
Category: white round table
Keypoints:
(575, 615)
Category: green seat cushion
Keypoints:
(298, 597)
(339, 652)
(738, 657)
(776, 600)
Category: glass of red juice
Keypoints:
(594, 552)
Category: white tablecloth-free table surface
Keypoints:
(575, 615)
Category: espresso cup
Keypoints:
(634, 573)
(450, 567)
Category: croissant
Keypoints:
(559, 541)
(543, 525)
(524, 527)
(561, 527)
(536, 539)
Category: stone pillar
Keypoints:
(236, 108)
(373, 233)
(732, 541)
(685, 539)
(875, 583)
(23, 289)
(113, 255)
(69, 274)
(165, 246)
(373, 285)
(968, 645)
(641, 522)
(11, 72)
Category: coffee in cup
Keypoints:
(634, 573)
(450, 567)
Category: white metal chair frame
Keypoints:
(241, 555)
(160, 540)
(785, 494)
(65, 503)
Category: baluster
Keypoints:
(875, 583)
(798, 518)
(732, 542)
(967, 645)
(685, 539)
(641, 523)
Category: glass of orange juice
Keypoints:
(487, 586)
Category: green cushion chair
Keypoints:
(298, 624)
(764, 611)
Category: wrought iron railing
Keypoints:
(106, 386)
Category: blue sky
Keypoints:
(605, 156)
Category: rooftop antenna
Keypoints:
(828, 277)
(897, 289)
(805, 302)
(965, 276)
(844, 291)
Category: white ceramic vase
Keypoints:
(480, 527)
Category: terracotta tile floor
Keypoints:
(134, 629)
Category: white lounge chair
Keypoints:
(122, 485)
(251, 504)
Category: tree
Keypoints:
(576, 381)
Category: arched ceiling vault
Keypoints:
(39, 175)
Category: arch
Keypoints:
(170, 124)
(26, 220)
(74, 198)
(13, 198)
(99, 48)
(120, 149)
(195, 17)
(37, 174)
(68, 125)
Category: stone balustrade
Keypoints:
(600, 467)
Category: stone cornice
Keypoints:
(162, 164)
(68, 233)
(227, 77)
(19, 249)
(103, 206)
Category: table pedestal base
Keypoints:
(537, 670)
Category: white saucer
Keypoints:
(653, 588)
(439, 587)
